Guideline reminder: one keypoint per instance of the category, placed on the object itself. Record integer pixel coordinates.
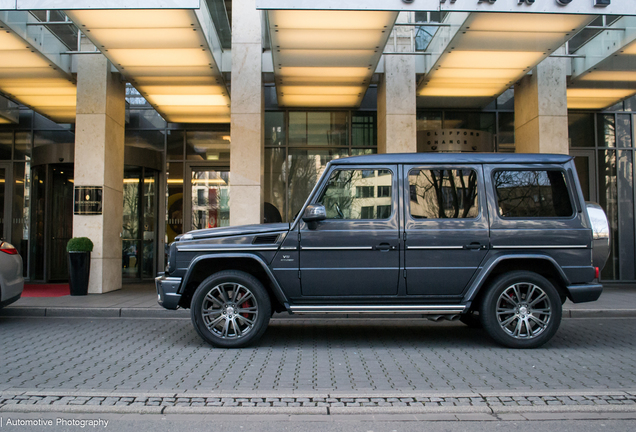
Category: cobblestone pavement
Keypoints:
(358, 357)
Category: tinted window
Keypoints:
(351, 194)
(443, 194)
(532, 193)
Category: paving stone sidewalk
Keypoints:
(310, 357)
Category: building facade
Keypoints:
(219, 113)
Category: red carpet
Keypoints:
(46, 290)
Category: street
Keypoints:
(311, 356)
(318, 375)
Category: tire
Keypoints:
(521, 309)
(471, 319)
(241, 309)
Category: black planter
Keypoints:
(79, 268)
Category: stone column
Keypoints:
(541, 110)
(99, 161)
(397, 120)
(247, 152)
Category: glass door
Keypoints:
(60, 221)
(139, 223)
(51, 221)
(208, 198)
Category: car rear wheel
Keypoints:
(521, 309)
(230, 309)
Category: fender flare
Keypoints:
(278, 292)
(491, 264)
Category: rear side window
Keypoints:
(443, 194)
(532, 194)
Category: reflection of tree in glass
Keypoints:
(340, 193)
(303, 176)
(525, 193)
(131, 208)
(443, 194)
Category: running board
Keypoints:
(427, 310)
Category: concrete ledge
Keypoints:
(410, 410)
(539, 393)
(83, 312)
(153, 313)
(23, 311)
(254, 394)
(563, 408)
(245, 410)
(81, 409)
(602, 313)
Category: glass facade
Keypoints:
(298, 146)
(602, 144)
(497, 118)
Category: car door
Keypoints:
(446, 233)
(355, 251)
(534, 207)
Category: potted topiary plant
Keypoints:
(79, 264)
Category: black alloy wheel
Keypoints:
(230, 309)
(521, 309)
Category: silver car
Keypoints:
(11, 280)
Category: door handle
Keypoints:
(384, 247)
(474, 246)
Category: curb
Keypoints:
(89, 409)
(132, 313)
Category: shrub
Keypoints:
(79, 244)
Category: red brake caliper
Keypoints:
(245, 305)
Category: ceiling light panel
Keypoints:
(515, 44)
(28, 77)
(596, 98)
(609, 76)
(165, 56)
(607, 81)
(326, 59)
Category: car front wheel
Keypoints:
(521, 309)
(230, 309)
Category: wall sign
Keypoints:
(88, 200)
(454, 140)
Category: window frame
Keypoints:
(566, 178)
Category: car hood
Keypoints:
(238, 230)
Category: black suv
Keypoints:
(498, 240)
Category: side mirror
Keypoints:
(315, 213)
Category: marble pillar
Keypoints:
(99, 161)
(397, 125)
(247, 140)
(541, 111)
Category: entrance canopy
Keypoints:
(167, 55)
(326, 58)
(32, 71)
(591, 7)
(481, 49)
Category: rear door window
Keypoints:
(443, 194)
(532, 194)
